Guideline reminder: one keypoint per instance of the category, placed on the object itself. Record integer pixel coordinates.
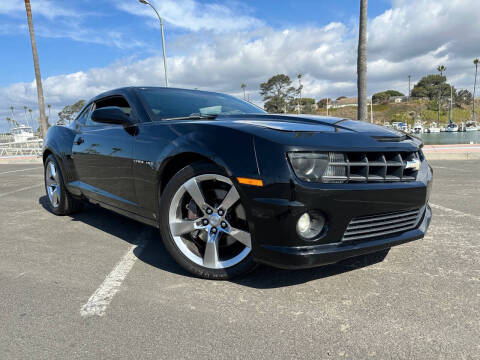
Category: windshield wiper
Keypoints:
(193, 117)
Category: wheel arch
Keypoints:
(177, 162)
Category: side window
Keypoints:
(80, 120)
(118, 101)
(88, 117)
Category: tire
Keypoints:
(198, 194)
(59, 200)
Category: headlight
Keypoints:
(312, 166)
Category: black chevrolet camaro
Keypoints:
(230, 185)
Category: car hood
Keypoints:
(312, 123)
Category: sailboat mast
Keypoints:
(451, 104)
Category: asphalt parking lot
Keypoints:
(63, 295)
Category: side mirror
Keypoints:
(111, 115)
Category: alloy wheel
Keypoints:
(207, 222)
(52, 184)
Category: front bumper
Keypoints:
(298, 257)
(273, 212)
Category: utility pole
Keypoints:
(327, 105)
(450, 115)
(371, 109)
(299, 76)
(475, 62)
(38, 77)
(409, 92)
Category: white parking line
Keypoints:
(19, 190)
(101, 298)
(14, 171)
(454, 212)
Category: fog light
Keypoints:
(303, 223)
(310, 225)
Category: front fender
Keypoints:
(158, 144)
(234, 151)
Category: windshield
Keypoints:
(174, 103)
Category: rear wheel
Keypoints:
(203, 223)
(60, 202)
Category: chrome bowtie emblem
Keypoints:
(215, 219)
(413, 164)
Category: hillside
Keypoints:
(406, 112)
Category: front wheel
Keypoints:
(203, 223)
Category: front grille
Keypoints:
(371, 167)
(368, 227)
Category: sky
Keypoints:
(89, 46)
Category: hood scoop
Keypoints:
(390, 138)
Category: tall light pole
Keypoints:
(163, 39)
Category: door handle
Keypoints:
(79, 141)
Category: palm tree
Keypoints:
(299, 77)
(9, 123)
(26, 119)
(244, 86)
(475, 62)
(38, 78)
(49, 109)
(362, 63)
(12, 110)
(441, 69)
(31, 118)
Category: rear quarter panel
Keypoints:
(59, 141)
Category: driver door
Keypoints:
(103, 158)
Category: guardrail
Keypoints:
(24, 148)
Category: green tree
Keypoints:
(322, 103)
(464, 97)
(429, 87)
(68, 112)
(306, 105)
(362, 112)
(394, 93)
(278, 93)
(381, 97)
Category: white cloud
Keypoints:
(410, 39)
(54, 20)
(45, 8)
(194, 15)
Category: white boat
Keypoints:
(452, 127)
(22, 133)
(418, 128)
(433, 129)
(471, 126)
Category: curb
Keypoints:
(452, 152)
(20, 159)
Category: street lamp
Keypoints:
(163, 39)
